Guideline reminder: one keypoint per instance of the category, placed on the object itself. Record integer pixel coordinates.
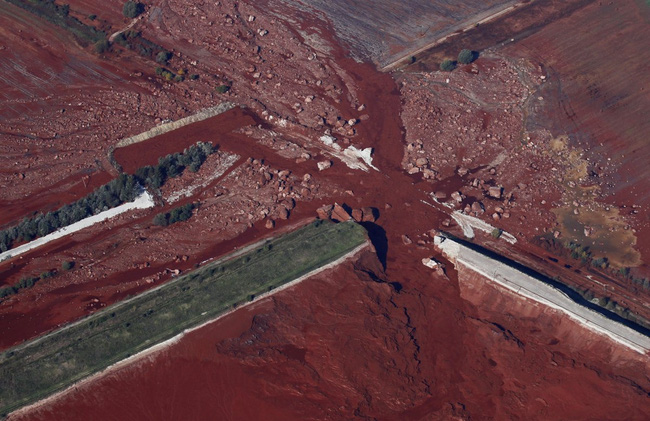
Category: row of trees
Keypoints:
(120, 190)
(123, 189)
(182, 213)
(30, 281)
(60, 15)
(173, 165)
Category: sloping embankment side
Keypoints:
(529, 287)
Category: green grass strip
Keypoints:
(39, 368)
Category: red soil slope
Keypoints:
(341, 346)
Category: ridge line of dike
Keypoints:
(173, 125)
(528, 283)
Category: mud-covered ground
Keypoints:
(383, 337)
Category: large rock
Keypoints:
(457, 196)
(323, 165)
(369, 214)
(340, 214)
(495, 192)
(357, 215)
(325, 212)
(283, 213)
(421, 162)
(478, 208)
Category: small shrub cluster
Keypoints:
(583, 254)
(447, 65)
(25, 283)
(163, 57)
(496, 233)
(134, 41)
(173, 165)
(102, 46)
(464, 57)
(120, 190)
(222, 89)
(169, 76)
(132, 9)
(182, 213)
(60, 15)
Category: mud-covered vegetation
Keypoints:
(173, 165)
(466, 56)
(37, 369)
(25, 283)
(179, 214)
(447, 65)
(132, 9)
(59, 14)
(133, 40)
(123, 189)
(120, 190)
(583, 254)
(610, 304)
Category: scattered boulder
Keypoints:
(495, 192)
(406, 240)
(357, 215)
(477, 208)
(325, 212)
(369, 214)
(270, 224)
(421, 162)
(283, 213)
(430, 263)
(457, 196)
(339, 214)
(323, 165)
(440, 195)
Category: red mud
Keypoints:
(140, 154)
(353, 342)
(53, 197)
(340, 346)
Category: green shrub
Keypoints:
(163, 57)
(92, 17)
(179, 78)
(466, 56)
(182, 213)
(102, 46)
(132, 9)
(194, 76)
(222, 89)
(447, 65)
(67, 265)
(496, 233)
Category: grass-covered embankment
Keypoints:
(43, 366)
